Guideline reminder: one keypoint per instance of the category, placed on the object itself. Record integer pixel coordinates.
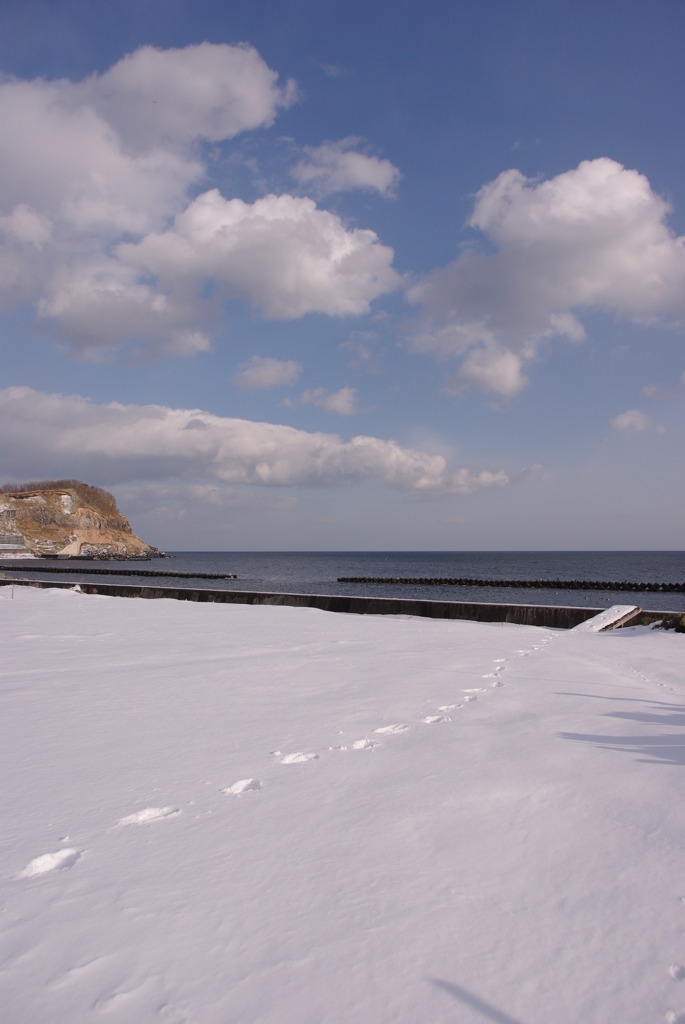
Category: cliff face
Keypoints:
(66, 520)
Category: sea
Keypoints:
(309, 572)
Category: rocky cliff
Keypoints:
(65, 517)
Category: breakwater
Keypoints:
(551, 616)
(445, 581)
(77, 570)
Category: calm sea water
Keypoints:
(318, 572)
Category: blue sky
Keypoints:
(322, 275)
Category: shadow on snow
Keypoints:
(486, 1010)
(659, 748)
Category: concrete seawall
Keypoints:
(521, 614)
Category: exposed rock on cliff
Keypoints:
(65, 517)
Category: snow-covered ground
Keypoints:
(222, 813)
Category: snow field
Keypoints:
(232, 813)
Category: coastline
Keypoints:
(541, 578)
(551, 616)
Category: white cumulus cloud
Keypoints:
(592, 238)
(339, 167)
(281, 254)
(208, 91)
(56, 435)
(98, 177)
(68, 164)
(104, 305)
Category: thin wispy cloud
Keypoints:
(263, 374)
(632, 419)
(342, 166)
(343, 401)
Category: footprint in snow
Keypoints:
(49, 862)
(149, 815)
(435, 719)
(364, 744)
(677, 971)
(474, 689)
(673, 1017)
(449, 707)
(469, 698)
(297, 758)
(242, 786)
(491, 675)
(390, 730)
